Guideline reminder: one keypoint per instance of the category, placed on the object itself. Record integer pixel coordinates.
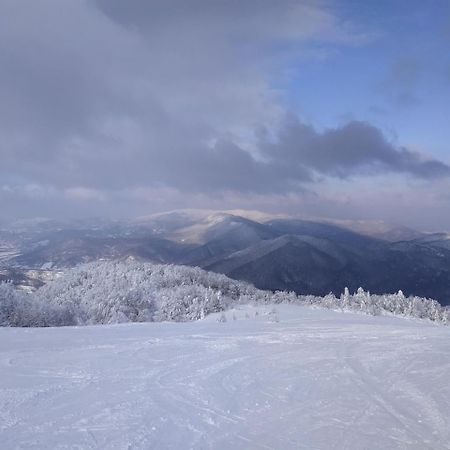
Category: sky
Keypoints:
(330, 108)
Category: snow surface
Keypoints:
(294, 378)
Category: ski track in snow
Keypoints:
(314, 380)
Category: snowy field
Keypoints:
(315, 379)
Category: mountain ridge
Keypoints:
(273, 253)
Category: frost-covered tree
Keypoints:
(111, 292)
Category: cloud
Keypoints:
(357, 148)
(105, 99)
(111, 93)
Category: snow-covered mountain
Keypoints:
(273, 252)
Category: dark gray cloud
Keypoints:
(356, 148)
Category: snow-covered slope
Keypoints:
(315, 379)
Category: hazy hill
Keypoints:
(273, 252)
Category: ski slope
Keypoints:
(314, 379)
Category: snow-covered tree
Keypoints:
(111, 292)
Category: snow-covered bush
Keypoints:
(112, 292)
